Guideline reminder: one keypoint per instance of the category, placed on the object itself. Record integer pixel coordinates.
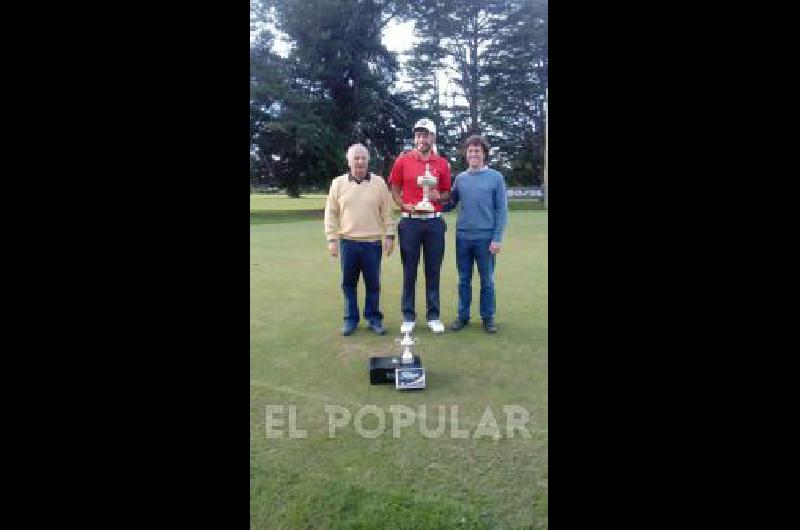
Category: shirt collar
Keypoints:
(351, 178)
(418, 156)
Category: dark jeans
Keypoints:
(426, 235)
(360, 257)
(477, 251)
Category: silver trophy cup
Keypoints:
(426, 182)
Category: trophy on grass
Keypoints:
(406, 342)
(426, 182)
(406, 371)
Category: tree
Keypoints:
(513, 106)
(494, 56)
(481, 67)
(330, 91)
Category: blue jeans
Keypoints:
(477, 251)
(426, 235)
(361, 257)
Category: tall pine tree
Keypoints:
(335, 89)
(482, 68)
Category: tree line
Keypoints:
(479, 67)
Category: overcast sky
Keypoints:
(396, 38)
(399, 37)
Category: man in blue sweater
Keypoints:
(479, 194)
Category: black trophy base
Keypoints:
(381, 369)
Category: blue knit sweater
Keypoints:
(482, 204)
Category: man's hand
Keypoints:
(408, 207)
(434, 195)
(333, 248)
(388, 246)
(494, 247)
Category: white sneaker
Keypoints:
(436, 326)
(407, 327)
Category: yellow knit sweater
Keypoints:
(363, 212)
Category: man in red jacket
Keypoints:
(421, 230)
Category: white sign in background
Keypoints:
(525, 193)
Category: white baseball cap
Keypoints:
(425, 124)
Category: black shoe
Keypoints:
(377, 327)
(349, 327)
(459, 323)
(489, 326)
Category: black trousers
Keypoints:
(418, 236)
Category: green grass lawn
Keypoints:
(280, 208)
(298, 357)
(264, 202)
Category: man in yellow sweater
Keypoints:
(359, 225)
